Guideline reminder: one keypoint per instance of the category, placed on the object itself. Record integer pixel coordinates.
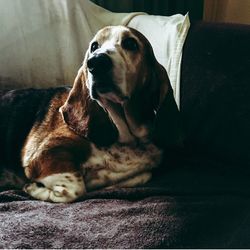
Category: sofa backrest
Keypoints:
(215, 91)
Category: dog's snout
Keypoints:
(99, 63)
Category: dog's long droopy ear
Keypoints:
(74, 110)
(84, 116)
(167, 128)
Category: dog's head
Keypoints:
(119, 63)
(121, 74)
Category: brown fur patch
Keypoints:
(65, 192)
(52, 147)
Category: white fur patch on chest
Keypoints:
(119, 165)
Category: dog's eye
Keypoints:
(130, 44)
(94, 46)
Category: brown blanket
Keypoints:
(146, 217)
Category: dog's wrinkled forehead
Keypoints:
(117, 36)
(115, 33)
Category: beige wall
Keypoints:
(233, 11)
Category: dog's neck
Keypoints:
(130, 130)
(102, 131)
(117, 115)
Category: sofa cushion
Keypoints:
(215, 92)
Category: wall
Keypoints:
(233, 11)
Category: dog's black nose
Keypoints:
(99, 63)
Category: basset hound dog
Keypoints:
(109, 130)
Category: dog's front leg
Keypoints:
(55, 174)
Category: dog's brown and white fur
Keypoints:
(109, 129)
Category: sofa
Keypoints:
(200, 195)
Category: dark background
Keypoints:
(156, 7)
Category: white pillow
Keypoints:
(167, 35)
(42, 42)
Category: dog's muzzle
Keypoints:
(100, 66)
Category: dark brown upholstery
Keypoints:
(215, 91)
(200, 198)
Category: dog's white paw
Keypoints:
(65, 187)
